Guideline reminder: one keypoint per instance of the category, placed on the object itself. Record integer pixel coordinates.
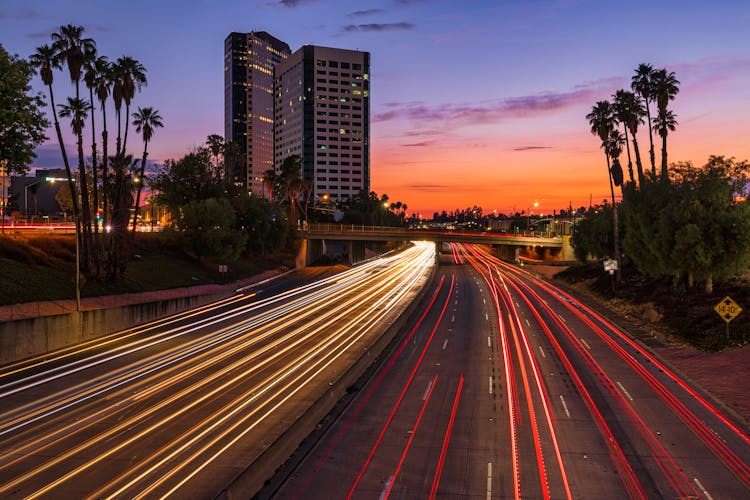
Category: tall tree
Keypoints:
(91, 64)
(664, 122)
(601, 120)
(291, 180)
(614, 145)
(665, 87)
(22, 120)
(103, 85)
(45, 58)
(145, 121)
(71, 49)
(642, 84)
(133, 77)
(77, 110)
(623, 111)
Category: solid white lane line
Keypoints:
(490, 384)
(542, 351)
(698, 483)
(489, 480)
(489, 341)
(586, 344)
(624, 391)
(427, 391)
(445, 344)
(565, 406)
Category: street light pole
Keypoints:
(26, 196)
(3, 174)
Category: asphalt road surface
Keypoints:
(508, 387)
(181, 406)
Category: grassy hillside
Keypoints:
(42, 267)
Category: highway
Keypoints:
(508, 387)
(179, 407)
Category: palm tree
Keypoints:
(664, 122)
(270, 179)
(622, 115)
(145, 121)
(602, 122)
(103, 86)
(71, 50)
(45, 58)
(291, 178)
(77, 109)
(665, 86)
(91, 65)
(614, 145)
(635, 113)
(642, 84)
(133, 76)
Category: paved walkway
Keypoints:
(53, 307)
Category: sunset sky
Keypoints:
(473, 102)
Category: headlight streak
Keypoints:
(97, 343)
(344, 277)
(163, 359)
(408, 274)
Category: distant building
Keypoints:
(35, 196)
(314, 103)
(249, 60)
(323, 115)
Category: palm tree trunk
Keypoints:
(68, 172)
(638, 163)
(616, 228)
(140, 186)
(127, 121)
(86, 209)
(630, 163)
(95, 187)
(664, 157)
(651, 140)
(119, 123)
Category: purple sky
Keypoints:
(475, 102)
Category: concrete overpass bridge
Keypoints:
(507, 246)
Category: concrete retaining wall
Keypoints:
(23, 338)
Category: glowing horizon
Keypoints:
(479, 104)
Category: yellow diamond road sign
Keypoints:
(727, 309)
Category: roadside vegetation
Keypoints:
(681, 233)
(41, 267)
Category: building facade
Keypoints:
(249, 61)
(322, 114)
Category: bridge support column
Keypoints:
(309, 252)
(355, 251)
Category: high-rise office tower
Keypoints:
(249, 60)
(323, 115)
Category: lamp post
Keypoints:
(3, 174)
(26, 196)
(382, 214)
(528, 215)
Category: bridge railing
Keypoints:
(348, 228)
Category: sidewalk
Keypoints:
(53, 307)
